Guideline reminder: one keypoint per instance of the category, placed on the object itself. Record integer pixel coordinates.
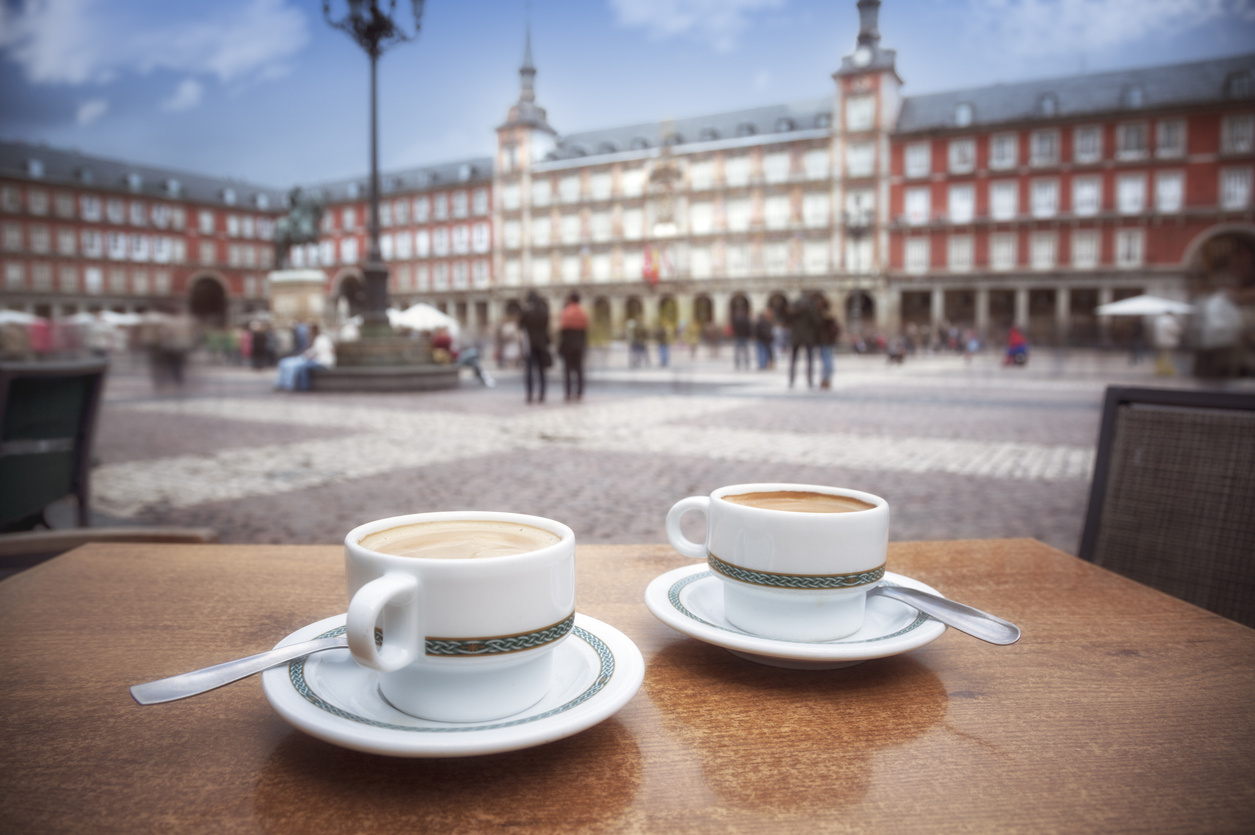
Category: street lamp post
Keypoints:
(374, 31)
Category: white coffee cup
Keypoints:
(789, 575)
(463, 640)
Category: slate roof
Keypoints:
(427, 177)
(57, 166)
(759, 121)
(1077, 96)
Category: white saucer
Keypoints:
(597, 670)
(690, 600)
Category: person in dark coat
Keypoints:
(764, 335)
(572, 342)
(535, 323)
(742, 329)
(805, 322)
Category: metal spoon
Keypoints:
(211, 678)
(967, 619)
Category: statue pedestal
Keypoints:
(385, 363)
(297, 296)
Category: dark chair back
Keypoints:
(47, 421)
(1172, 503)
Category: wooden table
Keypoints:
(1120, 709)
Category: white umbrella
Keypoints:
(423, 317)
(19, 317)
(1143, 306)
(114, 318)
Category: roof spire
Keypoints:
(868, 31)
(527, 72)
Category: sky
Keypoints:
(266, 91)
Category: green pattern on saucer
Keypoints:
(795, 581)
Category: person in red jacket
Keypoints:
(572, 343)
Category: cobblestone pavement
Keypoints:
(959, 450)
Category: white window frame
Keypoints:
(1235, 188)
(1131, 194)
(1163, 134)
(860, 159)
(1043, 153)
(1044, 197)
(1043, 250)
(960, 251)
(1082, 187)
(962, 155)
(1169, 191)
(1130, 247)
(1004, 151)
(916, 255)
(961, 203)
(1003, 251)
(1004, 199)
(1086, 248)
(1079, 135)
(917, 160)
(1126, 147)
(1237, 133)
(917, 204)
(860, 112)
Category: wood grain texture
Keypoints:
(1121, 709)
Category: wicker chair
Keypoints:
(1172, 503)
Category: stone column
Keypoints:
(1063, 309)
(982, 312)
(889, 311)
(1021, 307)
(618, 314)
(719, 308)
(938, 311)
(1105, 296)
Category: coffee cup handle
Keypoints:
(395, 598)
(680, 542)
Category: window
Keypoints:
(422, 209)
(1131, 194)
(41, 240)
(11, 199)
(1235, 188)
(1004, 199)
(348, 251)
(776, 210)
(461, 202)
(1130, 246)
(1045, 198)
(513, 272)
(859, 113)
(404, 246)
(541, 227)
(422, 243)
(422, 277)
(738, 256)
(738, 215)
(1002, 251)
(14, 276)
(209, 252)
(1169, 190)
(1237, 134)
(633, 224)
(1004, 151)
(601, 226)
(206, 222)
(1087, 144)
(93, 243)
(1044, 148)
(440, 242)
(541, 270)
(1170, 138)
(569, 189)
(1086, 196)
(962, 203)
(65, 205)
(776, 258)
(116, 242)
(701, 218)
(1042, 248)
(634, 182)
(816, 164)
(161, 216)
(66, 243)
(1133, 97)
(385, 214)
(139, 247)
(918, 205)
(860, 159)
(1085, 249)
(461, 239)
(41, 276)
(917, 255)
(858, 255)
(859, 207)
(776, 167)
(481, 273)
(89, 207)
(510, 197)
(571, 269)
(600, 265)
(440, 277)
(94, 279)
(400, 213)
(440, 207)
(348, 219)
(700, 262)
(327, 253)
(599, 185)
(815, 257)
(115, 211)
(12, 237)
(139, 213)
(962, 114)
(701, 174)
(1131, 140)
(570, 229)
(737, 170)
(959, 253)
(815, 210)
(1048, 106)
(37, 202)
(233, 226)
(1238, 85)
(633, 264)
(918, 159)
(69, 278)
(962, 156)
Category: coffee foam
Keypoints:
(797, 501)
(459, 539)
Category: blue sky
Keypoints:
(264, 90)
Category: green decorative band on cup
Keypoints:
(500, 645)
(795, 581)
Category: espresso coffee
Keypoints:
(800, 502)
(459, 539)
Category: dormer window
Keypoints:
(708, 135)
(1132, 97)
(228, 196)
(35, 168)
(784, 125)
(1048, 106)
(746, 129)
(673, 139)
(464, 172)
(174, 188)
(962, 115)
(823, 120)
(353, 191)
(262, 201)
(639, 143)
(1238, 85)
(606, 148)
(134, 182)
(86, 175)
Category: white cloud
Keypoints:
(1060, 27)
(80, 41)
(186, 96)
(717, 22)
(91, 111)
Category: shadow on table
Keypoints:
(797, 741)
(584, 782)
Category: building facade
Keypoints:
(1027, 203)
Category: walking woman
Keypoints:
(572, 343)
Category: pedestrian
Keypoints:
(294, 373)
(638, 350)
(534, 322)
(572, 344)
(663, 336)
(764, 334)
(829, 333)
(1167, 339)
(1017, 348)
(804, 325)
(742, 329)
